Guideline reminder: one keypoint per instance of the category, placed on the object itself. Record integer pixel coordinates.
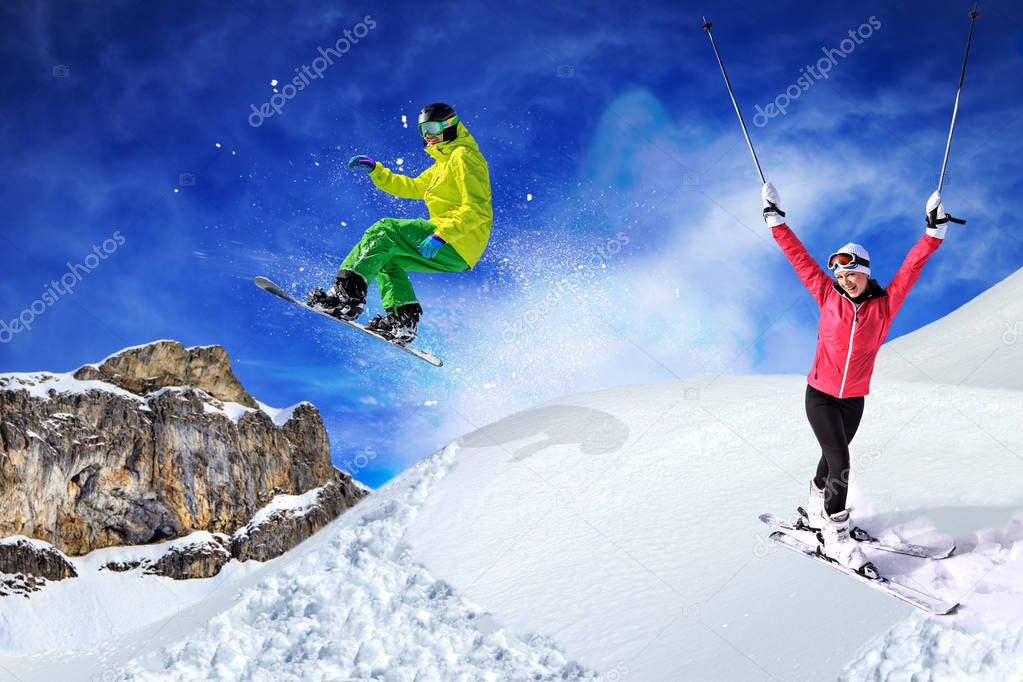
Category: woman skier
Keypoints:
(855, 315)
(456, 189)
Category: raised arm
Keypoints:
(909, 271)
(810, 273)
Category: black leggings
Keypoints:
(834, 421)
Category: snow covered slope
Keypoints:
(615, 533)
(979, 344)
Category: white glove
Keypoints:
(937, 218)
(773, 215)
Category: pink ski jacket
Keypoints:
(850, 334)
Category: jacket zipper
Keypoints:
(848, 356)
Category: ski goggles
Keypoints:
(846, 260)
(436, 127)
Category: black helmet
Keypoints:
(438, 111)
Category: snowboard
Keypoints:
(268, 286)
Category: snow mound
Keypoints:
(117, 601)
(979, 344)
(356, 605)
(923, 649)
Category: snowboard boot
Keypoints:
(400, 325)
(812, 517)
(837, 545)
(345, 300)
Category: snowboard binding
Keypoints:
(345, 300)
(400, 325)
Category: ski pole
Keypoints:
(728, 84)
(955, 108)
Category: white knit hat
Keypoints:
(860, 262)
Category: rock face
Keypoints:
(156, 365)
(197, 560)
(284, 529)
(155, 442)
(28, 565)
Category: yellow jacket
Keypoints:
(456, 189)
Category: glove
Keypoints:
(429, 247)
(773, 215)
(938, 218)
(362, 162)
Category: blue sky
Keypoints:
(627, 245)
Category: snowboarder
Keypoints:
(456, 189)
(855, 315)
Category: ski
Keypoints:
(865, 538)
(921, 600)
(268, 286)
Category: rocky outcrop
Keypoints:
(202, 559)
(26, 565)
(21, 555)
(283, 529)
(160, 364)
(156, 442)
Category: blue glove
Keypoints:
(362, 162)
(429, 247)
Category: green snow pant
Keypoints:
(390, 249)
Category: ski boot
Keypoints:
(837, 545)
(811, 517)
(345, 300)
(400, 325)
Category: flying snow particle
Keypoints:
(344, 224)
(404, 121)
(218, 145)
(273, 82)
(399, 161)
(529, 197)
(429, 403)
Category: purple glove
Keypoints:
(429, 247)
(362, 162)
